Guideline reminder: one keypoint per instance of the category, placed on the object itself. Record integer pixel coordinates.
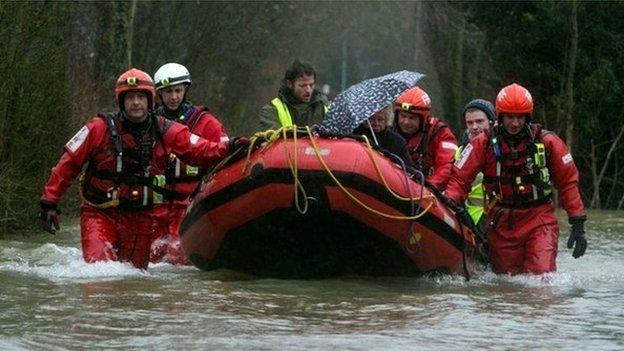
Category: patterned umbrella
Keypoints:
(360, 101)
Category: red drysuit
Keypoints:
(522, 225)
(120, 162)
(182, 179)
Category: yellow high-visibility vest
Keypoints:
(283, 114)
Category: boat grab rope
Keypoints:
(269, 137)
(353, 197)
(292, 163)
(383, 179)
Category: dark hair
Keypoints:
(299, 69)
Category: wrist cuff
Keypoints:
(579, 219)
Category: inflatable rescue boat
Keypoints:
(302, 206)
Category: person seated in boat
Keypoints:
(430, 142)
(377, 131)
(173, 82)
(297, 101)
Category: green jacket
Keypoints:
(301, 113)
(474, 202)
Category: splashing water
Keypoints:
(52, 299)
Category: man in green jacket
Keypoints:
(297, 101)
(478, 115)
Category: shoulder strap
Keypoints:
(117, 143)
(198, 114)
(429, 132)
(283, 114)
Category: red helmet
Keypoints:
(515, 99)
(132, 80)
(414, 100)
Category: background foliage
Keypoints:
(60, 60)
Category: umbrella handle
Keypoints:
(372, 132)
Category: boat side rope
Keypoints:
(353, 197)
(383, 179)
(292, 163)
(269, 137)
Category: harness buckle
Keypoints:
(540, 155)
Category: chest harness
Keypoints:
(421, 149)
(132, 169)
(521, 170)
(176, 171)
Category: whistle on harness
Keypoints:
(135, 193)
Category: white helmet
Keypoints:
(171, 74)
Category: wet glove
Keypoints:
(461, 213)
(49, 217)
(236, 143)
(577, 236)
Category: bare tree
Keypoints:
(571, 69)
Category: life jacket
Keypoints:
(123, 175)
(177, 171)
(417, 146)
(520, 178)
(283, 113)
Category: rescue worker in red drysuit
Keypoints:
(120, 154)
(521, 162)
(430, 142)
(173, 81)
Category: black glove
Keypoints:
(49, 217)
(460, 211)
(577, 236)
(237, 143)
(463, 215)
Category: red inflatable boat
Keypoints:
(317, 207)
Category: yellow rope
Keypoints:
(383, 179)
(271, 136)
(295, 171)
(351, 196)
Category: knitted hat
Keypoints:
(482, 105)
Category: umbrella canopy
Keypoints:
(360, 101)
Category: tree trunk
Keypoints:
(7, 96)
(459, 65)
(418, 18)
(569, 88)
(130, 32)
(595, 202)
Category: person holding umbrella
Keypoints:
(430, 142)
(376, 129)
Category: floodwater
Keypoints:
(51, 300)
